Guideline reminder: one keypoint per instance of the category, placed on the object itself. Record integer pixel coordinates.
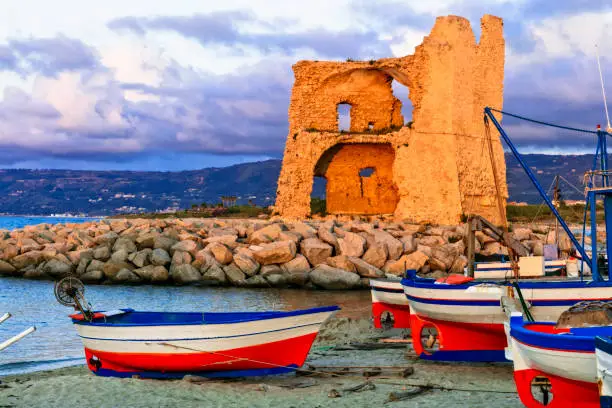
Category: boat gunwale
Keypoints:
(231, 317)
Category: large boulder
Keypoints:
(126, 276)
(442, 257)
(152, 273)
(326, 235)
(31, 258)
(124, 243)
(266, 234)
(92, 276)
(229, 240)
(256, 281)
(102, 253)
(160, 257)
(331, 278)
(409, 242)
(297, 266)
(394, 246)
(112, 268)
(305, 230)
(221, 253)
(94, 265)
(163, 242)
(234, 275)
(146, 240)
(246, 263)
(366, 270)
(183, 274)
(522, 234)
(214, 275)
(315, 250)
(459, 265)
(185, 246)
(376, 254)
(120, 255)
(181, 258)
(415, 260)
(276, 253)
(351, 244)
(107, 239)
(142, 258)
(7, 269)
(341, 262)
(432, 241)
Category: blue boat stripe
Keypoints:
(427, 283)
(389, 290)
(203, 338)
(604, 344)
(454, 302)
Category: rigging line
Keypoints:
(603, 91)
(594, 132)
(532, 223)
(571, 185)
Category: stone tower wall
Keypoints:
(440, 168)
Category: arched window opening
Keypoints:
(344, 117)
(318, 204)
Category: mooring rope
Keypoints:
(593, 132)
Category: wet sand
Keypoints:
(447, 385)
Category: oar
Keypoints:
(16, 338)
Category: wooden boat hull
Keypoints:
(603, 354)
(566, 357)
(468, 318)
(388, 297)
(234, 344)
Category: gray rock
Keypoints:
(432, 241)
(92, 276)
(305, 230)
(82, 266)
(442, 257)
(459, 264)
(160, 257)
(146, 240)
(256, 281)
(31, 272)
(326, 235)
(120, 256)
(126, 276)
(351, 244)
(214, 276)
(142, 257)
(365, 269)
(522, 234)
(185, 273)
(271, 270)
(299, 264)
(95, 265)
(276, 253)
(228, 240)
(31, 258)
(126, 244)
(315, 250)
(334, 279)
(57, 269)
(234, 275)
(163, 242)
(415, 260)
(102, 253)
(181, 258)
(247, 264)
(277, 280)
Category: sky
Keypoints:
(183, 84)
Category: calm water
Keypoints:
(56, 344)
(13, 222)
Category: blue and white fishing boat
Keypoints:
(563, 358)
(603, 353)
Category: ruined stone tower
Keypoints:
(432, 170)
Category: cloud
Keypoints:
(242, 30)
(47, 56)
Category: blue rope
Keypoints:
(593, 132)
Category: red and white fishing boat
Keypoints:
(603, 353)
(126, 343)
(466, 318)
(564, 358)
(390, 307)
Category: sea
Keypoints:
(12, 222)
(55, 343)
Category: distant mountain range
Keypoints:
(42, 192)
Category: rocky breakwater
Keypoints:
(248, 253)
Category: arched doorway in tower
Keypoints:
(359, 178)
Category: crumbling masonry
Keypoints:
(431, 170)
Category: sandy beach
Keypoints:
(437, 384)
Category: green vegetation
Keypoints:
(212, 211)
(531, 212)
(318, 206)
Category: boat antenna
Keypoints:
(603, 90)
